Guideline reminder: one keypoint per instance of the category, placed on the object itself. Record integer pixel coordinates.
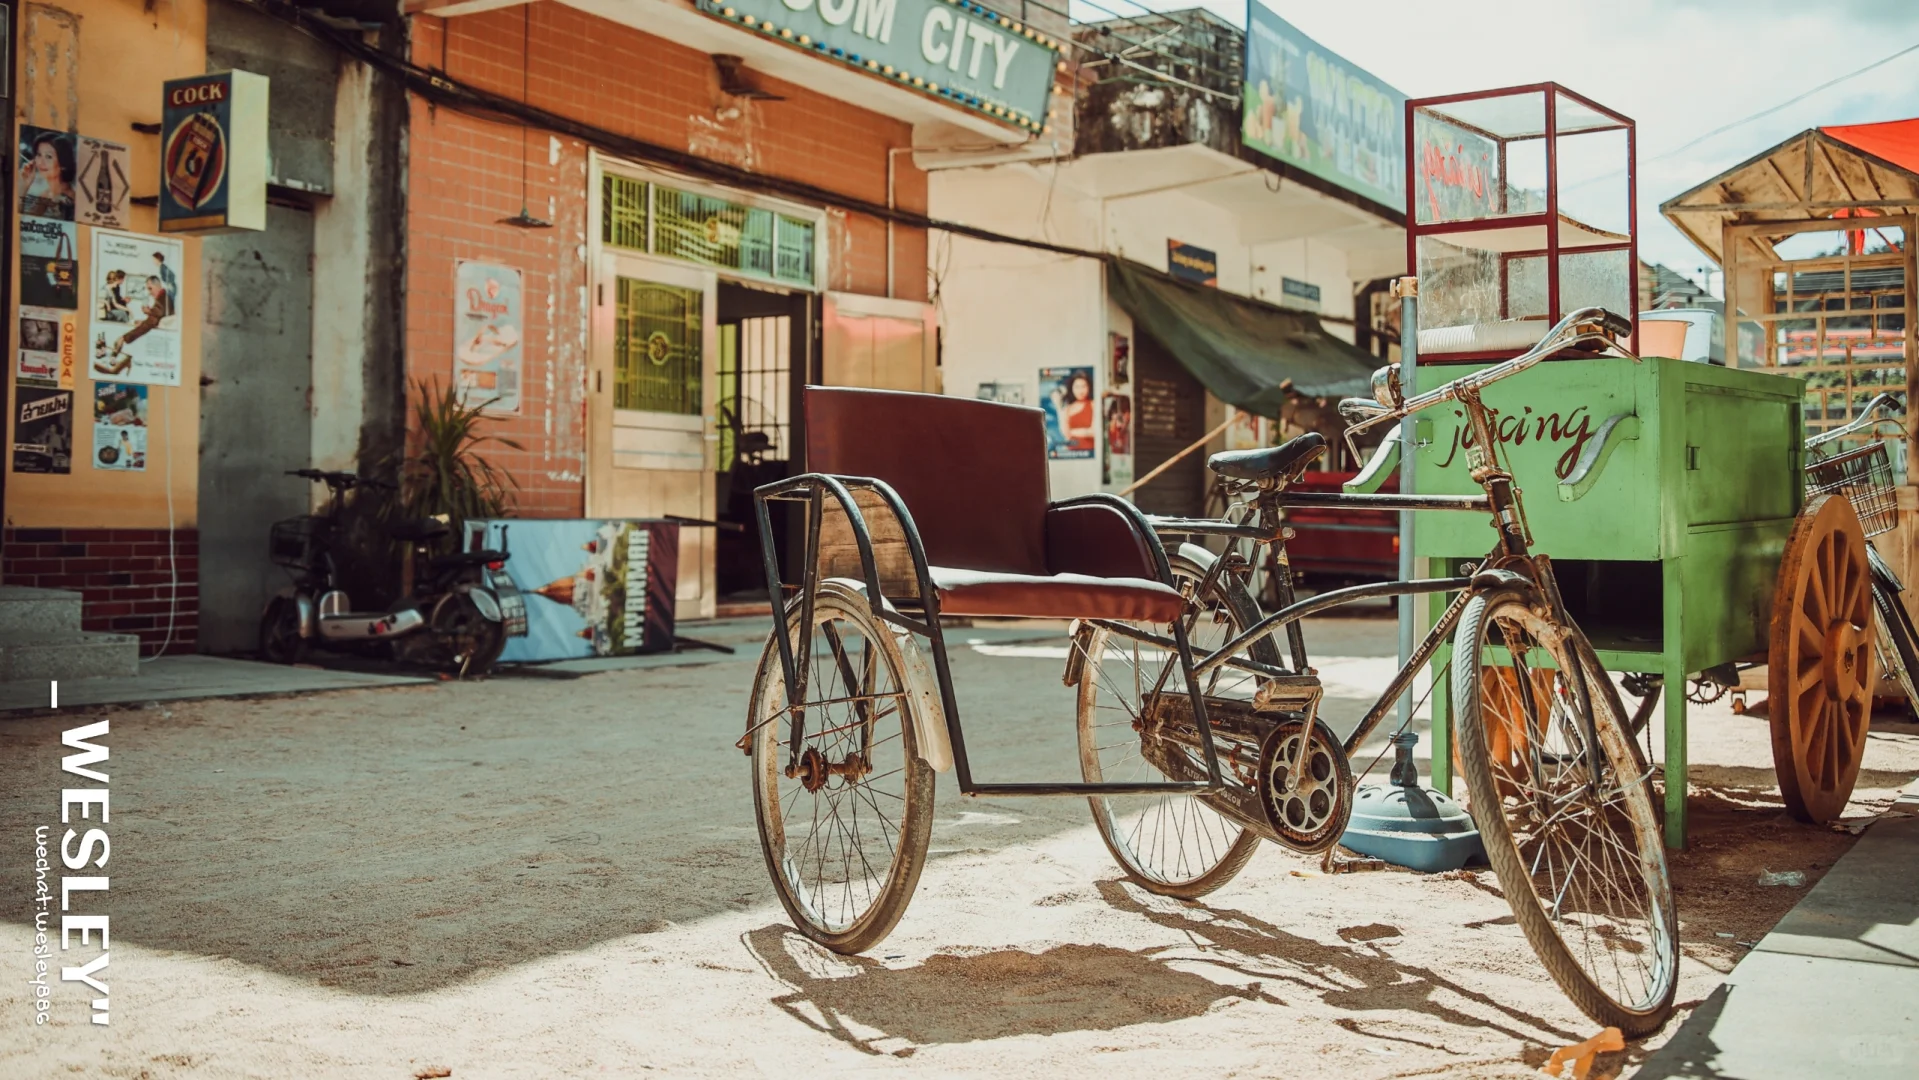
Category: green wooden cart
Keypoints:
(1668, 495)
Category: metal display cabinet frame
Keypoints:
(1668, 555)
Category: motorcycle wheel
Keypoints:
(280, 640)
(469, 642)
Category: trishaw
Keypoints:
(1198, 736)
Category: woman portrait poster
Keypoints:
(46, 173)
(1072, 416)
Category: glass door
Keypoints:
(652, 439)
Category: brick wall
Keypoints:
(465, 174)
(121, 574)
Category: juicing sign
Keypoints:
(957, 51)
(213, 153)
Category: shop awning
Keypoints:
(1242, 350)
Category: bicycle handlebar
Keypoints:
(336, 478)
(1864, 420)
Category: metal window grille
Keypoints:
(794, 255)
(657, 347)
(623, 212)
(711, 231)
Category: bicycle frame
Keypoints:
(813, 489)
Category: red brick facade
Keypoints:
(465, 175)
(127, 579)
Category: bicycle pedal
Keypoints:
(1289, 694)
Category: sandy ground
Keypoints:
(544, 877)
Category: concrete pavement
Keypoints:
(1833, 991)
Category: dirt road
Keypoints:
(547, 877)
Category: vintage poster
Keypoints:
(46, 348)
(49, 268)
(120, 427)
(104, 188)
(1007, 393)
(213, 153)
(487, 330)
(43, 431)
(1066, 396)
(1119, 363)
(1116, 453)
(47, 171)
(592, 587)
(135, 329)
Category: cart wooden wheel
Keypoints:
(1819, 673)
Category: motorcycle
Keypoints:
(462, 608)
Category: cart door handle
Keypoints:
(1618, 428)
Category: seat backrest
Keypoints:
(972, 473)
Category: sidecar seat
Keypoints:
(973, 477)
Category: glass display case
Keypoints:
(1522, 210)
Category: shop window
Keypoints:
(706, 230)
(656, 348)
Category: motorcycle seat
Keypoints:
(467, 558)
(418, 530)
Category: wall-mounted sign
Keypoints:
(213, 153)
(1307, 106)
(1189, 263)
(487, 328)
(1298, 295)
(104, 187)
(49, 269)
(43, 432)
(958, 52)
(135, 329)
(46, 348)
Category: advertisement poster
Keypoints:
(1310, 108)
(1116, 454)
(487, 330)
(1066, 396)
(213, 153)
(592, 588)
(49, 271)
(120, 427)
(46, 348)
(48, 167)
(1007, 393)
(104, 188)
(1119, 353)
(43, 431)
(135, 330)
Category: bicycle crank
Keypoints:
(1305, 785)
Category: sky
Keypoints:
(1678, 68)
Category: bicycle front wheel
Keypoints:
(1564, 807)
(845, 811)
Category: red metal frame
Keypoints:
(1548, 220)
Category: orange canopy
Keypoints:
(1894, 141)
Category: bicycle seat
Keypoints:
(1287, 459)
(418, 530)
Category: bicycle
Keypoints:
(1183, 696)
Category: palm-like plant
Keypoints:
(443, 472)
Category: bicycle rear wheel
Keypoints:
(1564, 807)
(1174, 845)
(844, 823)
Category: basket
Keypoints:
(1864, 477)
(296, 542)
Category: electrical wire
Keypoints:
(1827, 85)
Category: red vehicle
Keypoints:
(1343, 545)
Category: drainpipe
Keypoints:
(892, 153)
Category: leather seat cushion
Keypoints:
(1058, 596)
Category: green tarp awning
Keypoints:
(1242, 350)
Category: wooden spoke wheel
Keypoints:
(1820, 671)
